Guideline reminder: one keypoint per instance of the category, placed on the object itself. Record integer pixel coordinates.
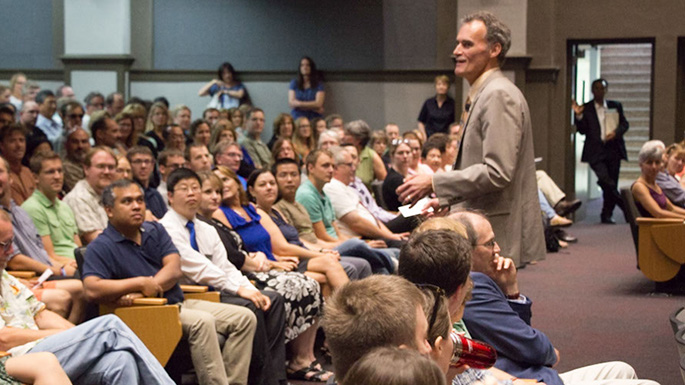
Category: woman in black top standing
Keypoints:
(437, 112)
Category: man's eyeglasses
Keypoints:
(489, 244)
(438, 293)
(7, 246)
(142, 161)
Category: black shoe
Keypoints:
(564, 236)
(565, 207)
(608, 221)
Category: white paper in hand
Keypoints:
(408, 211)
(43, 277)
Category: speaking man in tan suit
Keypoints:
(495, 169)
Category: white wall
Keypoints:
(84, 82)
(97, 27)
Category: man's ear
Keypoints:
(439, 345)
(495, 50)
(109, 212)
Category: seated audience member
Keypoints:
(13, 149)
(377, 311)
(7, 113)
(168, 161)
(181, 116)
(142, 166)
(287, 176)
(106, 132)
(123, 170)
(328, 139)
(85, 198)
(649, 197)
(94, 101)
(157, 120)
(285, 240)
(114, 103)
(335, 123)
(103, 350)
(371, 165)
(355, 219)
(174, 138)
(283, 148)
(437, 257)
(401, 158)
(416, 144)
(674, 159)
(5, 93)
(432, 153)
(254, 125)
(555, 196)
(228, 154)
(236, 117)
(198, 158)
(500, 315)
(47, 106)
(77, 145)
(392, 131)
(450, 155)
(311, 195)
(284, 126)
(17, 82)
(200, 132)
(139, 115)
(63, 296)
(394, 366)
(303, 138)
(319, 126)
(379, 143)
(196, 241)
(222, 130)
(31, 89)
(134, 259)
(53, 218)
(304, 306)
(28, 116)
(129, 136)
(394, 222)
(211, 115)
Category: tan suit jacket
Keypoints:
(495, 170)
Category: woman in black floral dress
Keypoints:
(303, 300)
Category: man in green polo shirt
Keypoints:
(54, 219)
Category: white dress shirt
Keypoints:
(210, 266)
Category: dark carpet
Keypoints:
(595, 306)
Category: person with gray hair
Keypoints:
(327, 139)
(371, 166)
(649, 197)
(495, 167)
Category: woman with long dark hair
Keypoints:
(226, 91)
(306, 95)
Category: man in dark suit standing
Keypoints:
(603, 124)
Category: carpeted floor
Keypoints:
(595, 306)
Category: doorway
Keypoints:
(628, 67)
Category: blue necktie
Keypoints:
(193, 241)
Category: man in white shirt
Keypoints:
(355, 219)
(204, 261)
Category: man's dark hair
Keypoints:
(436, 141)
(252, 111)
(600, 80)
(186, 153)
(163, 100)
(100, 123)
(42, 95)
(195, 124)
(7, 108)
(180, 174)
(164, 156)
(108, 195)
(204, 113)
(497, 31)
(437, 257)
(109, 100)
(92, 95)
(36, 161)
(137, 150)
(283, 161)
(12, 128)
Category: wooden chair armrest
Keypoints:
(150, 301)
(22, 274)
(657, 221)
(211, 296)
(194, 288)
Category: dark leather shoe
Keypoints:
(608, 221)
(565, 207)
(564, 236)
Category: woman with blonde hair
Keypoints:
(157, 119)
(303, 137)
(139, 116)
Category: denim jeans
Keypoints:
(381, 260)
(545, 206)
(104, 351)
